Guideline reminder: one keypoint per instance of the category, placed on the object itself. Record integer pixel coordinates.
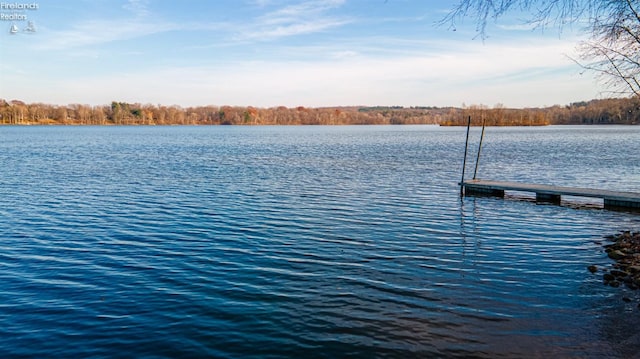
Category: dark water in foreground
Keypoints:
(307, 242)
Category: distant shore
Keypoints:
(611, 111)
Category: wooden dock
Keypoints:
(553, 194)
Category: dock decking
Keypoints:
(553, 194)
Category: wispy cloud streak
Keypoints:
(136, 22)
(97, 32)
(137, 7)
(297, 19)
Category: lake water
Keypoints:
(308, 242)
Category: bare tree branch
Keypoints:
(613, 50)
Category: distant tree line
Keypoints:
(609, 111)
(622, 111)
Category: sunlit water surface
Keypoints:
(308, 242)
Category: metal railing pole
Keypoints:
(464, 162)
(475, 172)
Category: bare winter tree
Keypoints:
(613, 48)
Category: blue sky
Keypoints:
(268, 53)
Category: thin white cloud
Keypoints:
(518, 27)
(133, 21)
(260, 3)
(139, 8)
(97, 32)
(302, 18)
(344, 54)
(293, 29)
(302, 10)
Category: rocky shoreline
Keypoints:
(624, 249)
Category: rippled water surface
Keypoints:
(308, 242)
